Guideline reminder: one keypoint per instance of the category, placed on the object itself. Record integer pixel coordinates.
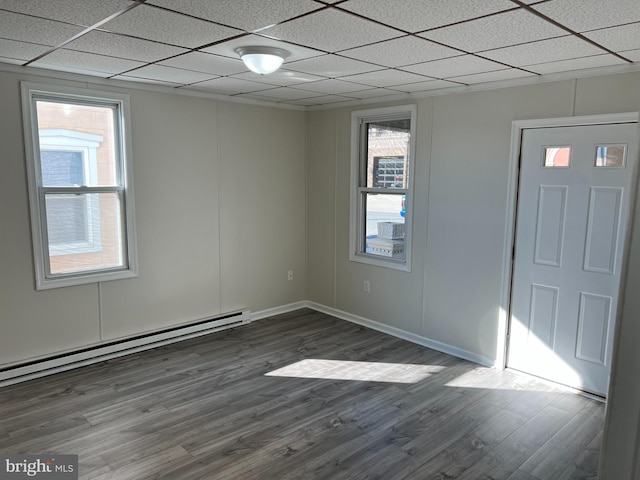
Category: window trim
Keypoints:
(356, 210)
(122, 137)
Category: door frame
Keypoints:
(517, 129)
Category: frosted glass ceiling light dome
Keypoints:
(262, 60)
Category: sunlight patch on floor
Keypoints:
(358, 371)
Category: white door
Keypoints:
(573, 204)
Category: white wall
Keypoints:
(220, 210)
(453, 293)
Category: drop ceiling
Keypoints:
(340, 51)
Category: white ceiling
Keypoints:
(340, 51)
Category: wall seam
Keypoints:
(218, 174)
(429, 152)
(100, 312)
(306, 205)
(335, 211)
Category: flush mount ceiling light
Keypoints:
(262, 60)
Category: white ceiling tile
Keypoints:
(170, 74)
(12, 61)
(124, 47)
(375, 93)
(451, 67)
(424, 86)
(507, 74)
(228, 86)
(544, 51)
(249, 15)
(419, 15)
(495, 31)
(331, 30)
(400, 51)
(633, 55)
(167, 27)
(206, 63)
(332, 66)
(258, 96)
(128, 78)
(617, 38)
(20, 50)
(323, 100)
(284, 93)
(385, 78)
(576, 64)
(281, 78)
(80, 12)
(296, 52)
(69, 60)
(35, 30)
(583, 15)
(332, 86)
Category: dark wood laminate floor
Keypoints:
(206, 408)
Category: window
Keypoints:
(70, 158)
(80, 185)
(382, 146)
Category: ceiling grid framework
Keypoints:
(340, 51)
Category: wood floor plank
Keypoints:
(566, 445)
(212, 407)
(507, 457)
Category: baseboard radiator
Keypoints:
(39, 367)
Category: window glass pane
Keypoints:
(388, 153)
(610, 155)
(385, 228)
(83, 137)
(84, 232)
(557, 156)
(62, 168)
(67, 217)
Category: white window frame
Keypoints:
(31, 93)
(357, 215)
(87, 144)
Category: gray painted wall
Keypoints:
(220, 210)
(453, 293)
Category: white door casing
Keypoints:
(568, 252)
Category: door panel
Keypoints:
(572, 209)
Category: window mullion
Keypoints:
(79, 190)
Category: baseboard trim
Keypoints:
(48, 365)
(403, 334)
(20, 372)
(272, 312)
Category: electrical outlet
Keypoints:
(367, 286)
(290, 275)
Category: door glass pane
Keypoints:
(385, 228)
(557, 156)
(388, 153)
(610, 155)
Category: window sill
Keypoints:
(379, 261)
(83, 279)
